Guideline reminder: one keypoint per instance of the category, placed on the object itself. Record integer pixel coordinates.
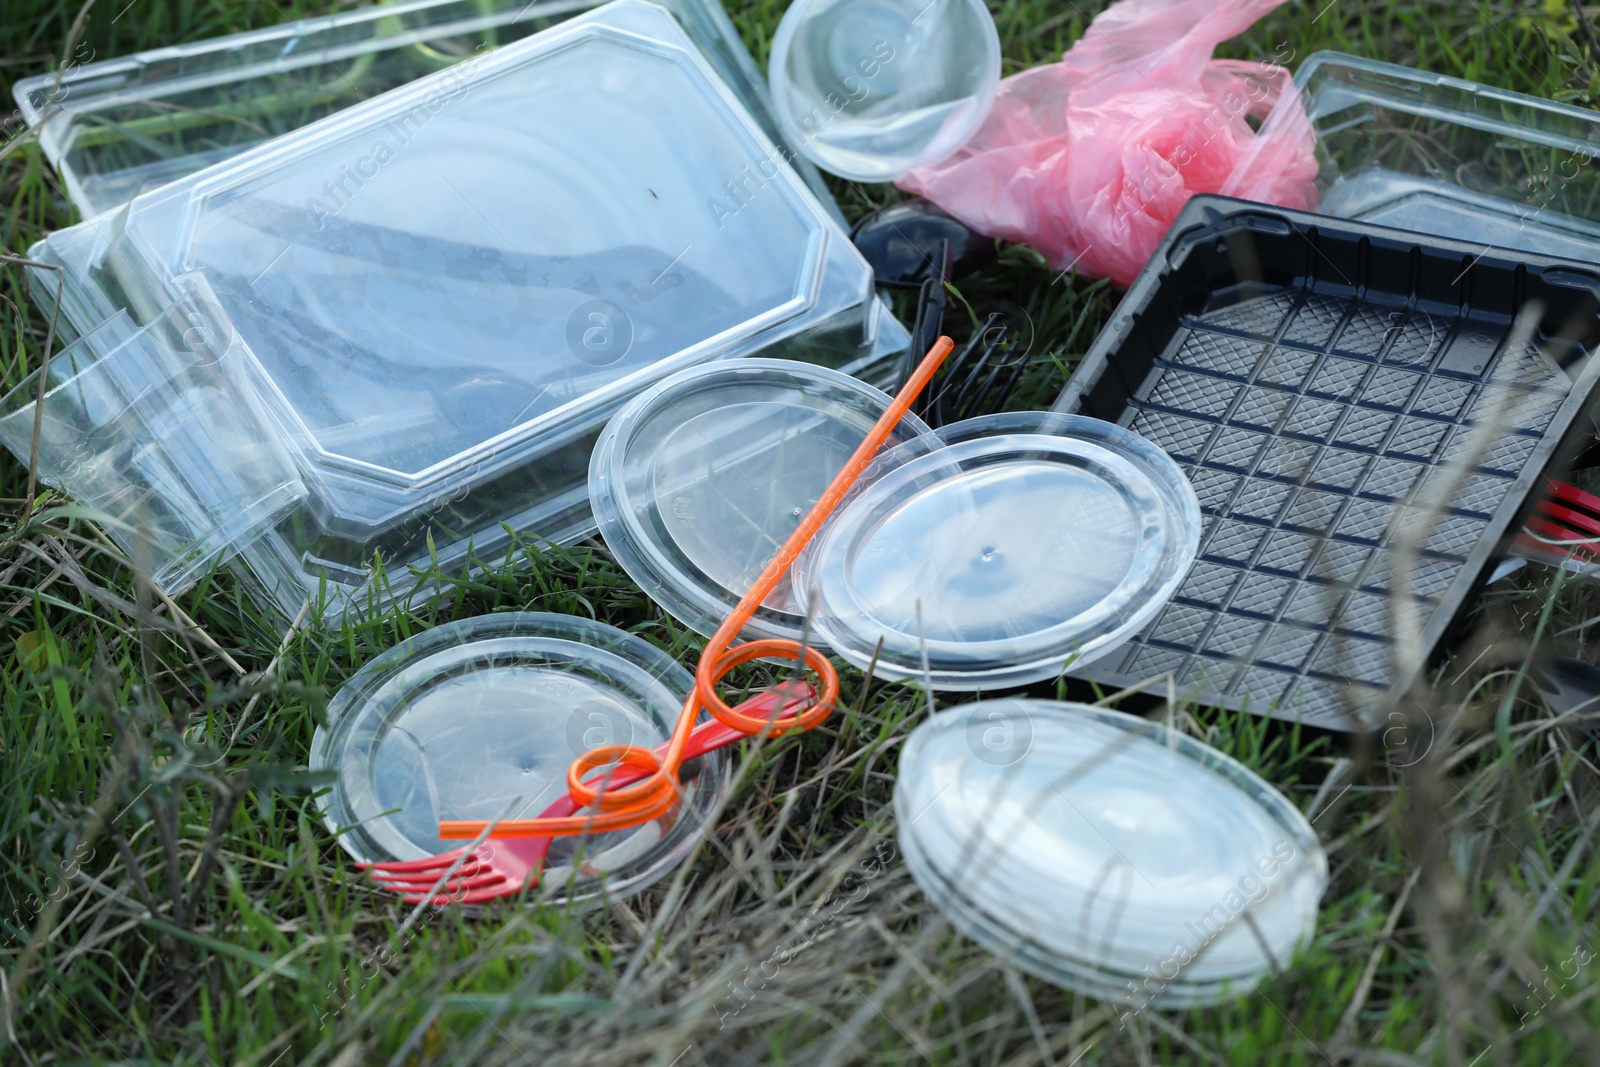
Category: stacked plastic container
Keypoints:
(438, 296)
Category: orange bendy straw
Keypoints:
(653, 796)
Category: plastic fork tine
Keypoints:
(1577, 520)
(453, 887)
(1573, 496)
(424, 881)
(1546, 538)
(480, 896)
(426, 863)
(1564, 527)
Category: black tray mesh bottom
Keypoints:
(1307, 424)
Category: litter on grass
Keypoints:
(341, 353)
(439, 295)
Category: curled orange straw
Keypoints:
(653, 796)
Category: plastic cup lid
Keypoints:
(870, 89)
(1000, 551)
(698, 482)
(479, 719)
(1104, 852)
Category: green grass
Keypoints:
(170, 896)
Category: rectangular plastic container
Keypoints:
(158, 434)
(1320, 381)
(1407, 148)
(438, 296)
(119, 127)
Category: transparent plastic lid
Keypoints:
(431, 261)
(869, 89)
(1008, 549)
(480, 719)
(1106, 853)
(698, 481)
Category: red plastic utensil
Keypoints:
(504, 868)
(1565, 527)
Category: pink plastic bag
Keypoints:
(1089, 160)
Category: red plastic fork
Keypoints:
(504, 868)
(1565, 526)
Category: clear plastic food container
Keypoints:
(441, 294)
(120, 127)
(869, 89)
(1406, 148)
(158, 434)
(1000, 550)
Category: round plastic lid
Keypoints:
(873, 88)
(698, 481)
(1105, 853)
(479, 719)
(1001, 550)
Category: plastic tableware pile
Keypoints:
(995, 551)
(798, 507)
(437, 297)
(939, 532)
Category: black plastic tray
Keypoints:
(1313, 375)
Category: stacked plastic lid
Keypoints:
(1104, 853)
(480, 719)
(698, 481)
(1000, 550)
(869, 89)
(442, 292)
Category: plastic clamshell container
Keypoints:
(115, 128)
(443, 292)
(160, 436)
(1106, 853)
(700, 479)
(1420, 151)
(1339, 394)
(480, 719)
(999, 550)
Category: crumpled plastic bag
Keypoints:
(1089, 160)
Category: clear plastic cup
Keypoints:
(869, 89)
